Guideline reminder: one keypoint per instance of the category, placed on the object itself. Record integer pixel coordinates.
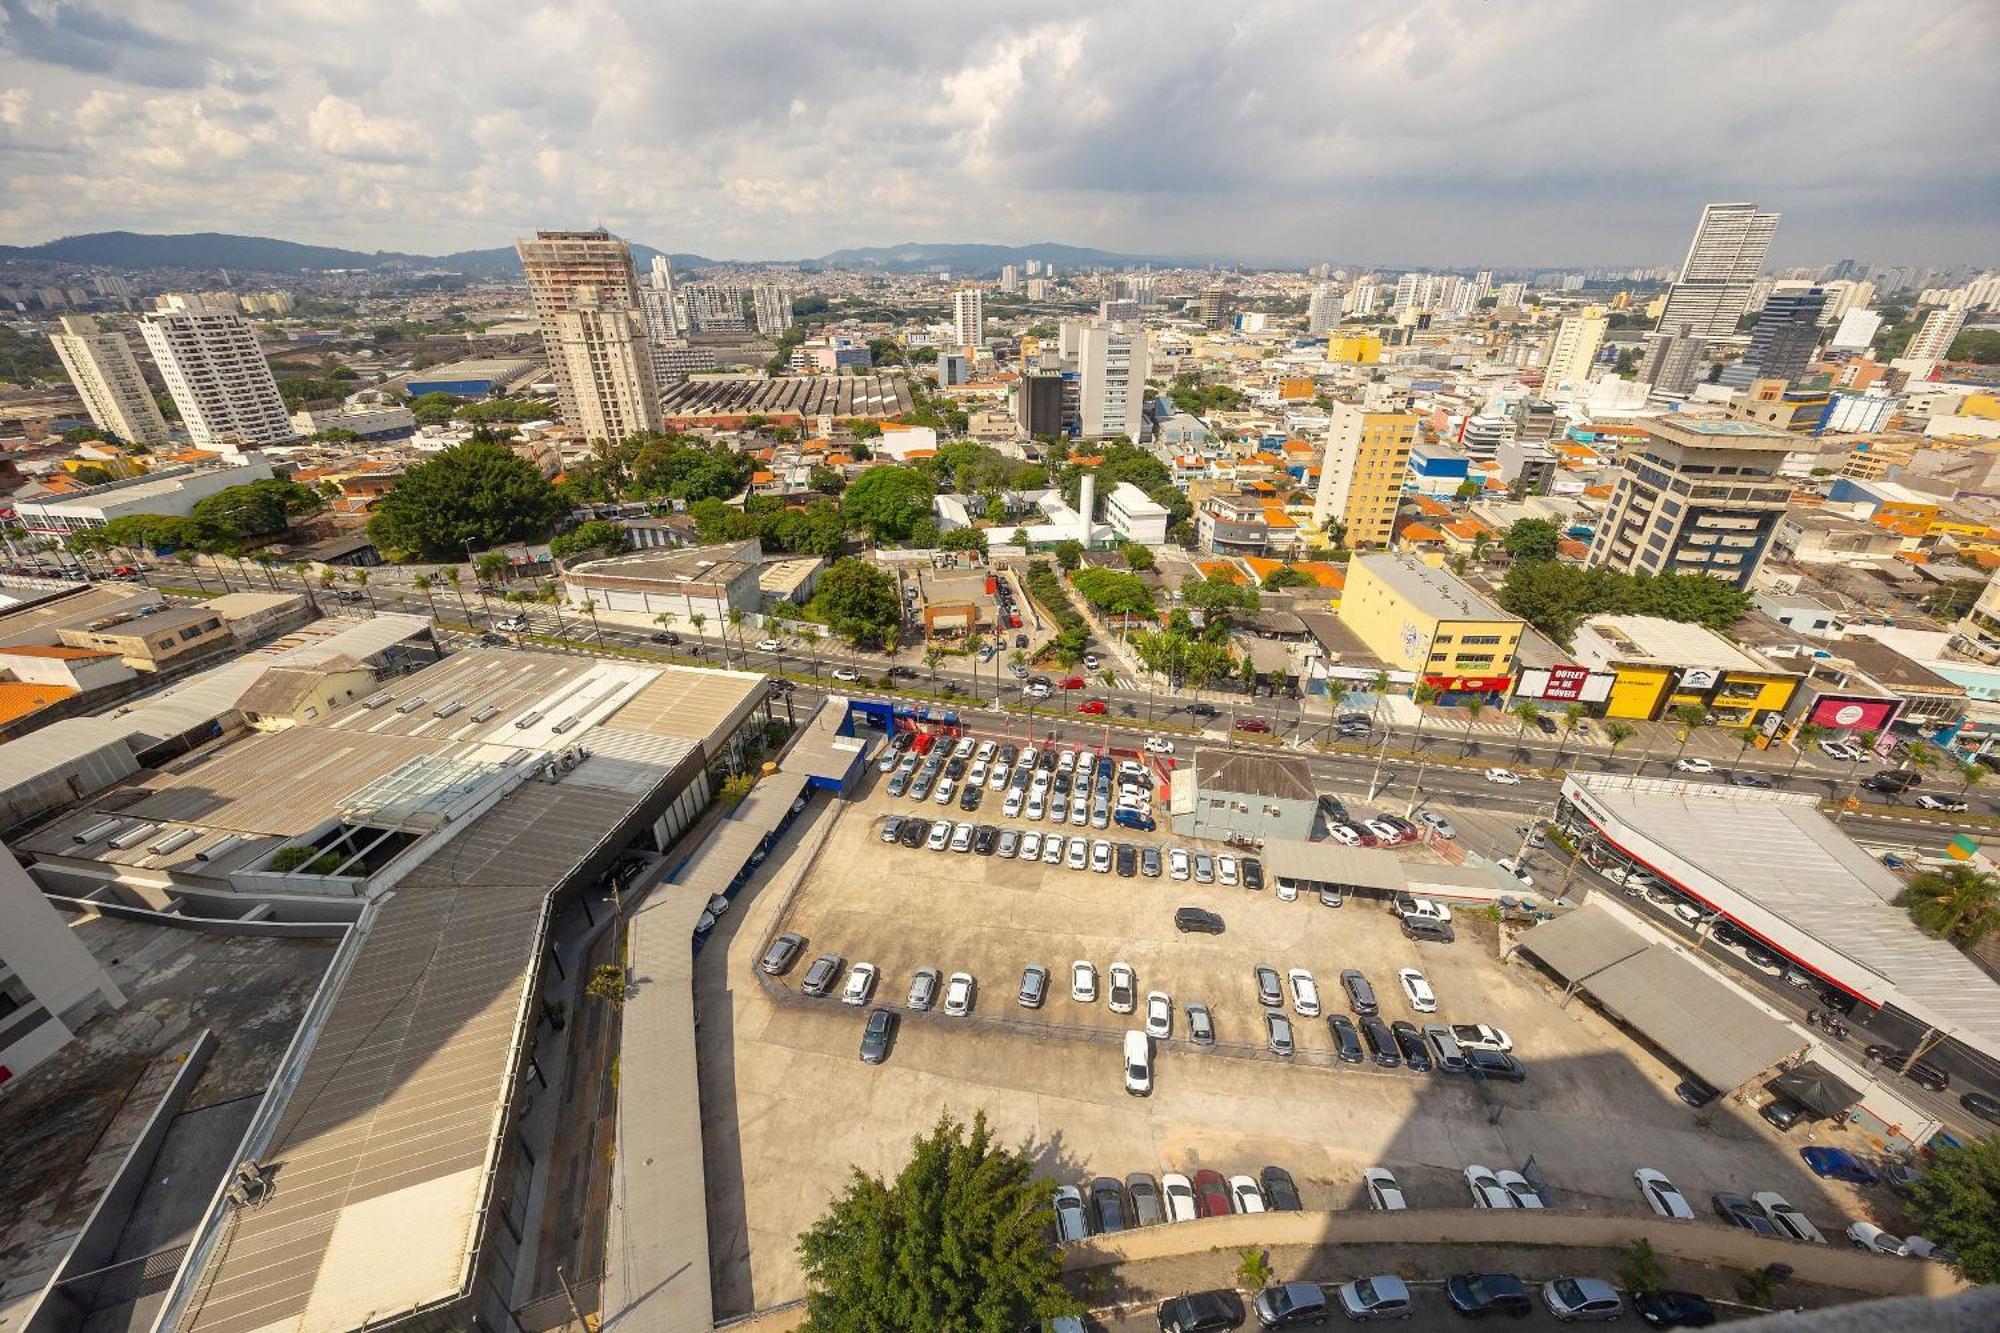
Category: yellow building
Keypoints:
(1662, 665)
(1364, 349)
(1361, 477)
(1427, 620)
(1986, 405)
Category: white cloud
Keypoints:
(1537, 131)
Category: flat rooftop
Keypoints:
(801, 395)
(1779, 867)
(1608, 638)
(718, 564)
(40, 620)
(1433, 591)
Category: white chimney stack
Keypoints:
(1086, 505)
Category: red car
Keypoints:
(1252, 724)
(1072, 682)
(1091, 706)
(1211, 1194)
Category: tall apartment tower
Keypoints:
(1940, 330)
(556, 264)
(106, 375)
(772, 306)
(1713, 290)
(1701, 496)
(1361, 477)
(600, 348)
(968, 317)
(1577, 341)
(1781, 346)
(658, 301)
(1323, 311)
(1111, 363)
(1212, 307)
(217, 375)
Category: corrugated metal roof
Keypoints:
(1334, 863)
(1252, 775)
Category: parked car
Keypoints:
(1985, 1107)
(1428, 932)
(1253, 873)
(923, 989)
(1417, 990)
(1486, 1189)
(1790, 1222)
(1839, 1164)
(783, 953)
(1661, 1195)
(1445, 1049)
(1178, 1193)
(1278, 1034)
(1868, 1236)
(1476, 1295)
(1416, 1054)
(1672, 1309)
(1144, 1192)
(877, 1035)
(1034, 986)
(1124, 989)
(1922, 1072)
(860, 984)
(1384, 1194)
(1107, 1200)
(1196, 921)
(1506, 777)
(1245, 1196)
(1082, 982)
(1201, 1025)
(1382, 1045)
(1268, 992)
(1072, 1219)
(1257, 725)
(1280, 1191)
(1360, 995)
(1495, 1065)
(1290, 1305)
(1201, 1312)
(1346, 1039)
(1689, 763)
(820, 976)
(1305, 993)
(1212, 1193)
(1949, 805)
(1481, 1037)
(958, 994)
(1739, 1211)
(1588, 1298)
(1382, 1296)
(1159, 1015)
(1443, 827)
(1892, 781)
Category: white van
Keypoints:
(1138, 1063)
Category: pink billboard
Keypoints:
(1853, 714)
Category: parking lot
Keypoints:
(789, 1108)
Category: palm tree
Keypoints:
(590, 609)
(451, 577)
(1616, 734)
(1378, 685)
(1473, 708)
(422, 583)
(1960, 903)
(1746, 736)
(1970, 775)
(264, 560)
(735, 618)
(1572, 718)
(698, 620)
(932, 656)
(190, 563)
(1863, 743)
(1480, 541)
(1528, 714)
(1691, 716)
(1807, 736)
(809, 635)
(665, 620)
(360, 577)
(1423, 694)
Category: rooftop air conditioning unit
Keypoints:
(174, 841)
(90, 833)
(132, 837)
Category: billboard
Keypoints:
(1852, 714)
(1469, 684)
(1566, 684)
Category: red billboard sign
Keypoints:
(1469, 684)
(1566, 683)
(1853, 714)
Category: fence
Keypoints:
(122, 1283)
(561, 1308)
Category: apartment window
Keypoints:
(1442, 638)
(1475, 659)
(1480, 640)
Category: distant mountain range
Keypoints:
(263, 254)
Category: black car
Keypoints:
(1739, 1211)
(784, 952)
(1128, 860)
(1360, 995)
(954, 768)
(1476, 1295)
(983, 838)
(1201, 710)
(1495, 1065)
(1201, 1312)
(1986, 1108)
(914, 832)
(1335, 812)
(1279, 1190)
(1253, 873)
(902, 673)
(1693, 1092)
(1426, 931)
(1107, 1196)
(970, 798)
(1673, 1309)
(665, 636)
(1751, 780)
(1382, 1046)
(1781, 1113)
(1346, 1041)
(1415, 1053)
(1020, 641)
(1197, 921)
(1892, 780)
(1922, 1073)
(877, 1035)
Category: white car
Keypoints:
(961, 837)
(1305, 993)
(1011, 807)
(958, 994)
(1031, 846)
(1179, 863)
(1038, 805)
(964, 748)
(1124, 989)
(1159, 745)
(848, 674)
(1384, 1194)
(1839, 750)
(1243, 1192)
(1083, 982)
(946, 789)
(1694, 764)
(513, 624)
(1949, 805)
(1029, 754)
(768, 645)
(1178, 1192)
(984, 754)
(1868, 1236)
(1417, 990)
(860, 984)
(1506, 777)
(1481, 1037)
(1788, 1220)
(1344, 835)
(940, 835)
(1079, 853)
(977, 777)
(1159, 1015)
(1052, 849)
(996, 778)
(1518, 1188)
(1507, 864)
(1100, 857)
(1667, 1201)
(1286, 889)
(1226, 871)
(1487, 1191)
(1439, 824)
(1072, 1218)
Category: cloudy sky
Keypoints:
(1512, 131)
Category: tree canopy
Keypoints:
(433, 409)
(957, 1243)
(478, 492)
(1956, 1205)
(1217, 598)
(887, 501)
(221, 523)
(1112, 592)
(1556, 598)
(858, 602)
(1190, 395)
(1531, 539)
(597, 537)
(1960, 903)
(1128, 462)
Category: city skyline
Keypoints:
(1452, 137)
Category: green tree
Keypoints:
(1689, 716)
(1218, 598)
(597, 537)
(1616, 734)
(887, 501)
(477, 492)
(1286, 576)
(1113, 593)
(957, 1243)
(1069, 554)
(1531, 539)
(826, 480)
(857, 601)
(431, 409)
(676, 468)
(1137, 556)
(1955, 1204)
(225, 520)
(1960, 903)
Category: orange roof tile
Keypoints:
(1435, 508)
(1420, 532)
(1600, 492)
(55, 652)
(759, 478)
(1572, 548)
(1219, 569)
(1276, 517)
(18, 698)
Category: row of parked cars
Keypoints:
(1387, 1296)
(1077, 851)
(1060, 784)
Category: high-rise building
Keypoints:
(556, 264)
(1323, 311)
(1362, 298)
(968, 317)
(1669, 513)
(1575, 348)
(217, 375)
(1481, 434)
(1511, 295)
(1671, 362)
(1038, 403)
(1482, 285)
(1111, 365)
(1940, 330)
(1723, 261)
(1361, 476)
(1212, 307)
(772, 305)
(1781, 346)
(1010, 278)
(608, 363)
(1856, 332)
(106, 375)
(712, 307)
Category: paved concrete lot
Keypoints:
(788, 1108)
